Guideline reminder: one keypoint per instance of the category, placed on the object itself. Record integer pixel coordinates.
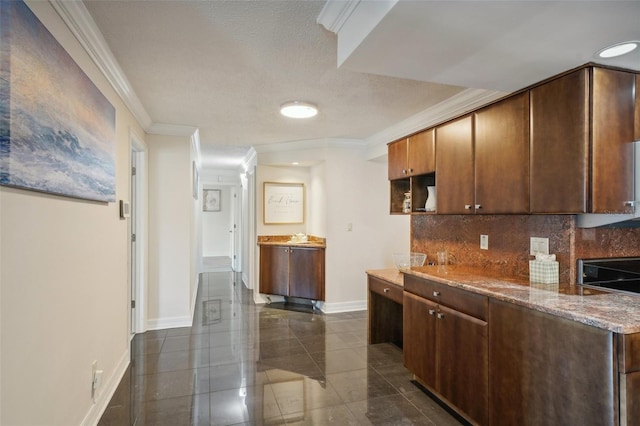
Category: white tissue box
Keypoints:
(543, 271)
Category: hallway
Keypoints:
(242, 364)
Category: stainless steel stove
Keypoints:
(613, 274)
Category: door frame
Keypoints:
(138, 259)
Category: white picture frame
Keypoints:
(283, 203)
(211, 200)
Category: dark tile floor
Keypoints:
(242, 364)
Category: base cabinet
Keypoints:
(547, 370)
(447, 351)
(292, 271)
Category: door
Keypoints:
(397, 159)
(454, 167)
(501, 156)
(462, 362)
(133, 249)
(274, 270)
(560, 144)
(418, 337)
(306, 273)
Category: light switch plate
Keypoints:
(539, 245)
(484, 242)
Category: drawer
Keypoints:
(463, 301)
(386, 289)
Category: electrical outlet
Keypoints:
(538, 245)
(484, 242)
(349, 227)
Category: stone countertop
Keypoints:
(284, 240)
(391, 275)
(616, 312)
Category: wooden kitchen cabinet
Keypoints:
(560, 144)
(637, 110)
(547, 370)
(501, 155)
(292, 271)
(482, 160)
(445, 348)
(454, 167)
(612, 130)
(412, 156)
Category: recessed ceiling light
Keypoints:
(298, 109)
(295, 163)
(618, 49)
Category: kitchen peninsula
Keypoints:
(505, 351)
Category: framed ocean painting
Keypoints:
(57, 130)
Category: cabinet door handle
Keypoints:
(404, 171)
(467, 206)
(478, 206)
(629, 203)
(440, 315)
(410, 170)
(432, 311)
(386, 290)
(436, 293)
(286, 251)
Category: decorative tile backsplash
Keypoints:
(508, 253)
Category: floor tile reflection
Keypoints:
(242, 364)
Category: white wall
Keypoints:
(172, 233)
(216, 240)
(344, 189)
(64, 284)
(358, 194)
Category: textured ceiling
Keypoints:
(226, 67)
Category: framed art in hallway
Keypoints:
(57, 130)
(212, 200)
(283, 203)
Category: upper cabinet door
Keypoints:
(454, 167)
(560, 144)
(502, 156)
(612, 118)
(397, 159)
(421, 153)
(637, 119)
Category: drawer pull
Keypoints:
(467, 206)
(440, 315)
(432, 311)
(386, 290)
(478, 206)
(436, 293)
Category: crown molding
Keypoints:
(76, 16)
(172, 130)
(459, 104)
(335, 13)
(310, 144)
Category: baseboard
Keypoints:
(334, 308)
(98, 408)
(173, 322)
(194, 297)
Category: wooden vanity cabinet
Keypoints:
(292, 271)
(412, 156)
(547, 370)
(637, 110)
(560, 144)
(446, 344)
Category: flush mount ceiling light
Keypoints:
(298, 109)
(617, 49)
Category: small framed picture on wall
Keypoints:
(211, 200)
